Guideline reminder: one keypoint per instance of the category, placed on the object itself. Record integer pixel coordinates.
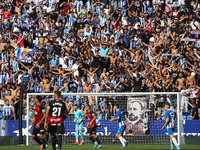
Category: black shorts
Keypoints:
(92, 130)
(56, 128)
(38, 131)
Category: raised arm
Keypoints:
(95, 70)
(12, 4)
(145, 44)
(62, 4)
(63, 87)
(38, 5)
(190, 104)
(117, 85)
(23, 65)
(11, 41)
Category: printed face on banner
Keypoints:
(136, 115)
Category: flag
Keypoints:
(22, 53)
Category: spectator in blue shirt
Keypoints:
(26, 76)
(53, 62)
(87, 33)
(104, 50)
(2, 25)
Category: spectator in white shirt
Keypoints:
(75, 67)
(194, 24)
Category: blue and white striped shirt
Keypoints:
(88, 5)
(53, 63)
(70, 20)
(15, 66)
(144, 8)
(79, 5)
(2, 79)
(142, 22)
(60, 82)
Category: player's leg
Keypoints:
(172, 138)
(53, 137)
(43, 142)
(60, 131)
(76, 134)
(46, 137)
(119, 134)
(124, 128)
(34, 135)
(174, 141)
(42, 132)
(97, 141)
(81, 133)
(52, 131)
(96, 137)
(172, 145)
(89, 133)
(59, 141)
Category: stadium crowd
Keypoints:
(97, 47)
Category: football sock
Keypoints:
(81, 133)
(175, 142)
(122, 141)
(54, 143)
(38, 140)
(47, 138)
(56, 139)
(92, 139)
(171, 143)
(76, 136)
(97, 140)
(43, 142)
(59, 141)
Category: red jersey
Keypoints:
(91, 116)
(39, 111)
(7, 14)
(22, 42)
(65, 10)
(57, 109)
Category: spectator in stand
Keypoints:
(195, 112)
(8, 111)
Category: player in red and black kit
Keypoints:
(39, 112)
(92, 127)
(57, 114)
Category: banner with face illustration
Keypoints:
(137, 120)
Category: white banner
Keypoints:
(137, 119)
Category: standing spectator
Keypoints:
(195, 113)
(6, 14)
(26, 77)
(8, 111)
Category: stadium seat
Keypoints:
(184, 118)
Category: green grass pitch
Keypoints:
(106, 147)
